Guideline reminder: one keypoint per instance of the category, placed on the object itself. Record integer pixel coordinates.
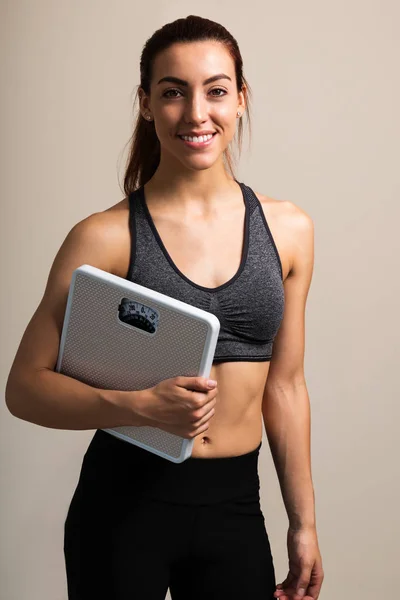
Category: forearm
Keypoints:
(286, 414)
(54, 400)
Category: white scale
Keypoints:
(120, 335)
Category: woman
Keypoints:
(137, 523)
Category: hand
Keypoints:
(180, 405)
(305, 566)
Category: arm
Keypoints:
(286, 407)
(34, 391)
(54, 400)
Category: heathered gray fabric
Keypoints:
(249, 306)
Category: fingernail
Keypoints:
(211, 383)
(301, 592)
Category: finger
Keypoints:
(286, 593)
(280, 593)
(290, 593)
(303, 582)
(204, 418)
(282, 589)
(315, 586)
(314, 590)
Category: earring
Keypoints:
(238, 114)
(148, 117)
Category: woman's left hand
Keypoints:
(305, 566)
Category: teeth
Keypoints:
(201, 138)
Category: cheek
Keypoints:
(226, 116)
(164, 127)
(164, 112)
(226, 112)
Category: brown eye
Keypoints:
(219, 90)
(168, 91)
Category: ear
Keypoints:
(242, 99)
(144, 101)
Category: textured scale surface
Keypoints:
(99, 351)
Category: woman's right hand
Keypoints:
(180, 405)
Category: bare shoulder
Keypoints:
(286, 211)
(291, 227)
(111, 226)
(100, 240)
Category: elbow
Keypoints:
(10, 397)
(14, 396)
(285, 385)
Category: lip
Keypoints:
(198, 145)
(198, 134)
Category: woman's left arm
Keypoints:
(286, 414)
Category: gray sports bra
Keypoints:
(249, 306)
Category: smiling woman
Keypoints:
(195, 107)
(189, 229)
(215, 81)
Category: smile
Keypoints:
(198, 144)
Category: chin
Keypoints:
(200, 164)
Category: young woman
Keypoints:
(137, 523)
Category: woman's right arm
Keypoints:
(35, 392)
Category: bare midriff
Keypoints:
(236, 426)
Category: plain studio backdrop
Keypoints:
(326, 130)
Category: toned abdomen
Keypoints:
(236, 426)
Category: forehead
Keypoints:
(193, 61)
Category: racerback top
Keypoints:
(249, 306)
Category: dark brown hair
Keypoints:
(144, 146)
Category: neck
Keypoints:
(192, 190)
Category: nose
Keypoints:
(196, 110)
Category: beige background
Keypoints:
(326, 136)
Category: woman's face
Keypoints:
(181, 102)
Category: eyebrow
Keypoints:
(183, 82)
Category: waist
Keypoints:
(113, 462)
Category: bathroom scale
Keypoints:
(120, 335)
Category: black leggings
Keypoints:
(139, 524)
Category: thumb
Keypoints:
(288, 582)
(303, 582)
